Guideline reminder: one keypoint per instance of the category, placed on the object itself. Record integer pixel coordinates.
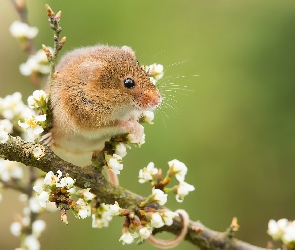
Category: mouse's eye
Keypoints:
(129, 83)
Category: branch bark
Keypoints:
(15, 149)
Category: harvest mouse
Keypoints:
(97, 92)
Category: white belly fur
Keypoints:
(77, 148)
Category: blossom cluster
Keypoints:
(30, 241)
(29, 231)
(23, 118)
(49, 185)
(177, 169)
(34, 124)
(55, 188)
(157, 218)
(37, 63)
(12, 109)
(283, 230)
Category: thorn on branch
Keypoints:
(197, 229)
(234, 227)
(62, 42)
(58, 16)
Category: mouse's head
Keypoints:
(103, 84)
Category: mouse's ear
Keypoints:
(128, 50)
(88, 70)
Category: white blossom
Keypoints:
(33, 66)
(104, 213)
(38, 189)
(51, 179)
(148, 116)
(132, 139)
(121, 149)
(38, 99)
(10, 170)
(182, 190)
(159, 196)
(168, 217)
(147, 173)
(113, 162)
(86, 195)
(277, 229)
(178, 169)
(99, 222)
(145, 232)
(37, 227)
(43, 198)
(33, 125)
(155, 70)
(16, 228)
(37, 63)
(66, 182)
(22, 30)
(84, 209)
(32, 243)
(114, 209)
(51, 207)
(3, 134)
(34, 205)
(153, 80)
(289, 234)
(73, 191)
(7, 124)
(157, 220)
(126, 238)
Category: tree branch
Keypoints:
(15, 149)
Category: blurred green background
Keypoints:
(234, 129)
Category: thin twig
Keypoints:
(54, 20)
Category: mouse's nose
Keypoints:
(151, 99)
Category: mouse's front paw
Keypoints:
(47, 139)
(132, 127)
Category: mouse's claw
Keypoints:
(47, 139)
